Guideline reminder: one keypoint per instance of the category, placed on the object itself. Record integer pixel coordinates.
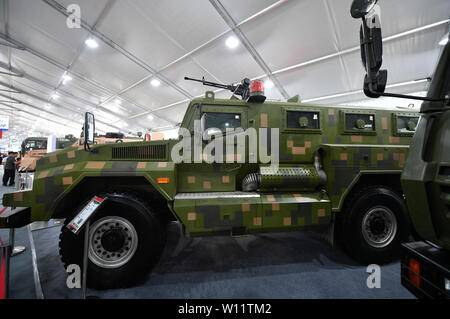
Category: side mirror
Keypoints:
(372, 51)
(360, 8)
(89, 129)
(371, 46)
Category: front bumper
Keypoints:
(15, 217)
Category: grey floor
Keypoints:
(283, 265)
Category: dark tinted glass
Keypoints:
(407, 124)
(359, 122)
(303, 120)
(222, 121)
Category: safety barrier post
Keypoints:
(5, 253)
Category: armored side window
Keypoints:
(404, 125)
(303, 120)
(222, 121)
(356, 122)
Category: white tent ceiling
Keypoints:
(306, 47)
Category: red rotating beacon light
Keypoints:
(257, 92)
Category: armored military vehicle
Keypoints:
(32, 149)
(425, 265)
(287, 166)
(110, 138)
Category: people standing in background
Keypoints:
(10, 170)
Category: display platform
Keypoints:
(278, 265)
(292, 265)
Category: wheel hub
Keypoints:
(113, 241)
(379, 226)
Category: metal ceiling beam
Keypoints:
(7, 44)
(357, 48)
(82, 47)
(188, 54)
(154, 72)
(32, 120)
(100, 86)
(70, 95)
(9, 91)
(78, 75)
(62, 92)
(354, 92)
(61, 9)
(259, 13)
(21, 110)
(330, 56)
(50, 87)
(6, 22)
(28, 120)
(33, 106)
(296, 65)
(247, 44)
(11, 102)
(10, 74)
(55, 104)
(56, 64)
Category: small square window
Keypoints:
(404, 124)
(303, 120)
(359, 122)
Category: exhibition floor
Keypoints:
(281, 265)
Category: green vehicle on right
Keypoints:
(425, 180)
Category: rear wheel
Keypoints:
(374, 224)
(126, 239)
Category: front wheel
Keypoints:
(374, 224)
(125, 240)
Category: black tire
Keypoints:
(150, 242)
(376, 206)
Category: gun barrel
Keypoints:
(240, 89)
(208, 83)
(191, 79)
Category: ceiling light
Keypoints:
(55, 96)
(232, 42)
(118, 101)
(155, 82)
(66, 78)
(444, 40)
(91, 43)
(268, 84)
(150, 117)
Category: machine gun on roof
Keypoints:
(242, 89)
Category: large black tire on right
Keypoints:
(375, 222)
(122, 224)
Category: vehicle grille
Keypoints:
(156, 152)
